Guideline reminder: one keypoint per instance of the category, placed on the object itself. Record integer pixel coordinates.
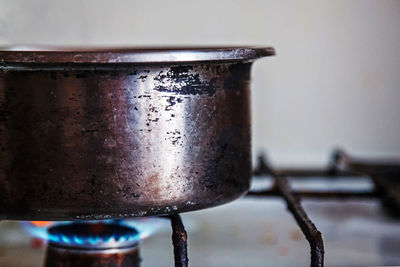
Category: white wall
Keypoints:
(335, 80)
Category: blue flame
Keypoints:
(78, 240)
(41, 232)
(93, 234)
(93, 240)
(144, 226)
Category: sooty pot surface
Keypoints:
(122, 133)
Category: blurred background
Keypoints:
(335, 82)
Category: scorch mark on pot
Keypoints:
(184, 81)
(172, 102)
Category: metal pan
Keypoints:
(97, 134)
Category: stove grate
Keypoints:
(384, 175)
(179, 240)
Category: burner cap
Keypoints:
(93, 236)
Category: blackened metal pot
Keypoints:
(97, 134)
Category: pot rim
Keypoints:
(68, 55)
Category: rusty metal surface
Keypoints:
(97, 141)
(388, 187)
(335, 194)
(343, 161)
(282, 188)
(62, 257)
(263, 168)
(179, 240)
(313, 236)
(384, 173)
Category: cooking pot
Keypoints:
(98, 134)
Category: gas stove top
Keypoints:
(349, 216)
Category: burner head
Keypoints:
(93, 236)
(92, 244)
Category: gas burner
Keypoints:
(93, 244)
(93, 236)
